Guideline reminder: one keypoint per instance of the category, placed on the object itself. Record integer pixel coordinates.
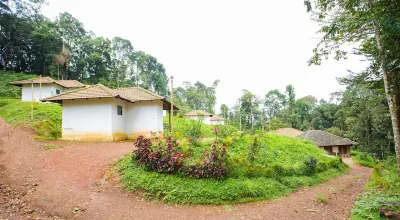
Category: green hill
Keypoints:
(261, 168)
(46, 116)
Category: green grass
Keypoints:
(382, 189)
(183, 125)
(322, 199)
(363, 159)
(277, 170)
(46, 116)
(51, 147)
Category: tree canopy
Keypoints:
(64, 49)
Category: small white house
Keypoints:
(217, 120)
(44, 87)
(100, 113)
(206, 117)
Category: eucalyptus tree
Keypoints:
(224, 109)
(121, 49)
(196, 96)
(249, 105)
(373, 26)
(74, 38)
(274, 102)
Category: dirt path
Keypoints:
(69, 183)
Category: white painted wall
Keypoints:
(206, 119)
(48, 90)
(119, 121)
(220, 122)
(98, 119)
(87, 119)
(143, 117)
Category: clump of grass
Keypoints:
(382, 191)
(51, 147)
(363, 159)
(46, 117)
(322, 199)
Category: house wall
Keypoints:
(48, 90)
(206, 119)
(217, 122)
(342, 150)
(98, 120)
(144, 117)
(88, 119)
(119, 121)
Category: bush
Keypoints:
(252, 150)
(193, 132)
(212, 166)
(363, 158)
(382, 191)
(183, 128)
(165, 157)
(161, 159)
(311, 164)
(226, 130)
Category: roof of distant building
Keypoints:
(322, 138)
(48, 80)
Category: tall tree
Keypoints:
(274, 102)
(291, 99)
(224, 111)
(196, 96)
(121, 49)
(373, 25)
(249, 105)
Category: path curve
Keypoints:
(55, 182)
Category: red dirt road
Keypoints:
(69, 183)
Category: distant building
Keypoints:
(100, 113)
(195, 114)
(333, 144)
(44, 87)
(217, 120)
(291, 132)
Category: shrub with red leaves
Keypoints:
(213, 165)
(161, 157)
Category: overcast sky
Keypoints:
(255, 45)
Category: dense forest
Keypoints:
(64, 49)
(366, 112)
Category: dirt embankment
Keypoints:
(69, 183)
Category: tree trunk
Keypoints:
(392, 98)
(251, 116)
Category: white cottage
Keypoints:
(217, 120)
(195, 114)
(44, 87)
(100, 113)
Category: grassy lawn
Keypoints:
(46, 116)
(383, 191)
(277, 169)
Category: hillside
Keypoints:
(271, 168)
(46, 116)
